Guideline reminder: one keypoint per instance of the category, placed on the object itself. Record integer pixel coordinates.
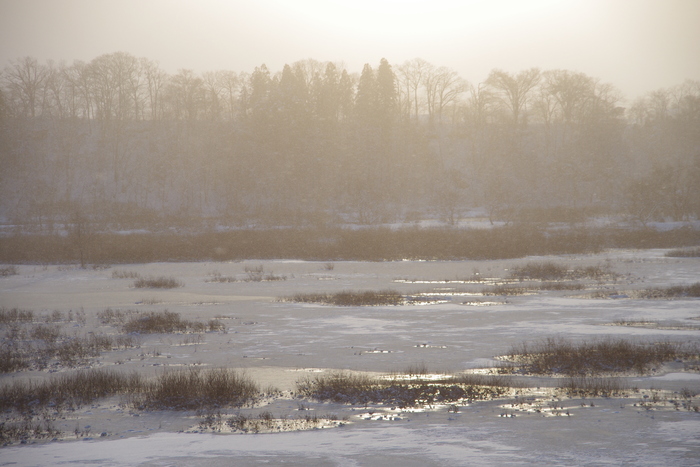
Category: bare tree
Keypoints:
(213, 92)
(25, 79)
(412, 76)
(155, 84)
(230, 84)
(513, 90)
(443, 88)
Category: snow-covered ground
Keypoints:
(278, 342)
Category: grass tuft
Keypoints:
(676, 291)
(15, 315)
(348, 388)
(556, 356)
(122, 274)
(10, 270)
(164, 322)
(684, 253)
(350, 298)
(161, 282)
(66, 391)
(587, 386)
(194, 389)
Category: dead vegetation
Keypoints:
(10, 270)
(160, 282)
(684, 253)
(606, 356)
(251, 274)
(165, 322)
(33, 342)
(193, 389)
(652, 293)
(37, 342)
(349, 388)
(550, 271)
(351, 298)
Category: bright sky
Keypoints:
(637, 45)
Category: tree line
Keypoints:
(119, 141)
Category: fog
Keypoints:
(637, 46)
(394, 188)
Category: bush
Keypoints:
(194, 389)
(66, 391)
(590, 358)
(684, 253)
(348, 298)
(161, 282)
(15, 315)
(161, 322)
(549, 271)
(42, 345)
(9, 271)
(543, 271)
(676, 291)
(346, 388)
(586, 386)
(121, 274)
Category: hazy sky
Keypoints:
(637, 45)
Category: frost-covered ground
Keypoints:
(278, 342)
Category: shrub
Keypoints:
(9, 271)
(161, 282)
(122, 274)
(591, 358)
(112, 317)
(194, 389)
(157, 322)
(684, 253)
(25, 430)
(544, 271)
(217, 277)
(349, 298)
(676, 291)
(561, 286)
(41, 345)
(549, 271)
(350, 388)
(507, 290)
(67, 390)
(15, 315)
(587, 386)
(258, 274)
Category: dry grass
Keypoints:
(10, 270)
(558, 356)
(550, 271)
(684, 253)
(41, 346)
(587, 386)
(350, 298)
(67, 391)
(194, 389)
(15, 315)
(348, 388)
(507, 290)
(166, 322)
(123, 274)
(676, 291)
(161, 282)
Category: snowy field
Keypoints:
(452, 328)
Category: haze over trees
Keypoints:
(126, 145)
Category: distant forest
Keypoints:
(121, 143)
